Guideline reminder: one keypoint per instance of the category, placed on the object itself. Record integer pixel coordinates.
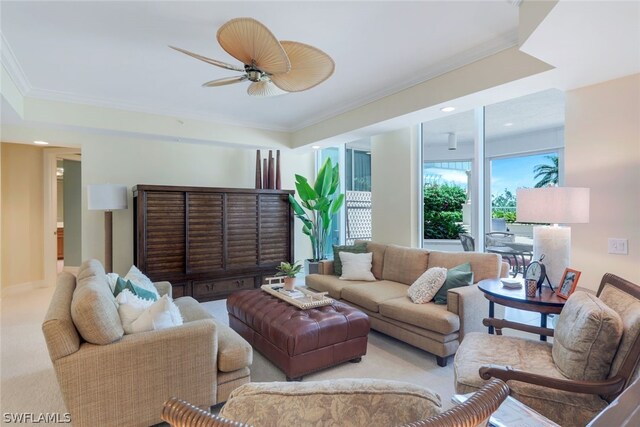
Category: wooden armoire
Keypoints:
(210, 242)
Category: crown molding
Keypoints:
(13, 67)
(498, 44)
(59, 96)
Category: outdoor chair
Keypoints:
(468, 242)
(593, 358)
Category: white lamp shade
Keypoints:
(107, 197)
(552, 205)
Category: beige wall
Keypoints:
(131, 162)
(22, 214)
(394, 201)
(602, 135)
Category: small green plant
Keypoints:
(288, 269)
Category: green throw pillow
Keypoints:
(122, 284)
(458, 276)
(359, 248)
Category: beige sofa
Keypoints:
(435, 328)
(108, 378)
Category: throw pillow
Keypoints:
(138, 278)
(138, 291)
(457, 277)
(356, 266)
(426, 286)
(112, 278)
(358, 248)
(130, 307)
(586, 338)
(159, 315)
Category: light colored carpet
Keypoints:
(29, 384)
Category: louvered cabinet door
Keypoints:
(274, 229)
(241, 220)
(205, 232)
(164, 234)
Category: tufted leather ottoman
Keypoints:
(299, 341)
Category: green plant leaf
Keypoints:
(305, 192)
(337, 204)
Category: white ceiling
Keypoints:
(115, 53)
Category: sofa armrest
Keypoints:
(469, 303)
(138, 372)
(164, 288)
(325, 267)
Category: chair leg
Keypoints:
(442, 361)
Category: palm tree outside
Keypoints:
(548, 173)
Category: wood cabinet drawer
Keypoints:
(204, 290)
(180, 289)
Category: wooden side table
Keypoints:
(545, 302)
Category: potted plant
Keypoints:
(317, 206)
(289, 272)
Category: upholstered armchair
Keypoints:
(593, 358)
(344, 402)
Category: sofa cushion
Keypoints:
(89, 268)
(345, 402)
(329, 283)
(356, 266)
(428, 316)
(233, 351)
(370, 294)
(95, 312)
(483, 265)
(586, 338)
(457, 277)
(427, 285)
(357, 248)
(378, 250)
(404, 265)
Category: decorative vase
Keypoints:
(289, 283)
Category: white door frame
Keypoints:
(51, 210)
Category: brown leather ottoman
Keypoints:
(298, 341)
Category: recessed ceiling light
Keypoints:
(41, 142)
(315, 147)
(447, 109)
(508, 124)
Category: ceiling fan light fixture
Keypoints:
(272, 66)
(264, 88)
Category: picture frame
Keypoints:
(568, 283)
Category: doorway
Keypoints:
(62, 211)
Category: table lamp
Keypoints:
(552, 205)
(107, 198)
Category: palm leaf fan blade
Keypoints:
(251, 42)
(309, 67)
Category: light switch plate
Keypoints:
(618, 246)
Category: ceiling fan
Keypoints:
(273, 67)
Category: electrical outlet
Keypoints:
(618, 246)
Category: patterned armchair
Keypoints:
(345, 402)
(594, 357)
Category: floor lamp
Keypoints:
(552, 205)
(107, 198)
